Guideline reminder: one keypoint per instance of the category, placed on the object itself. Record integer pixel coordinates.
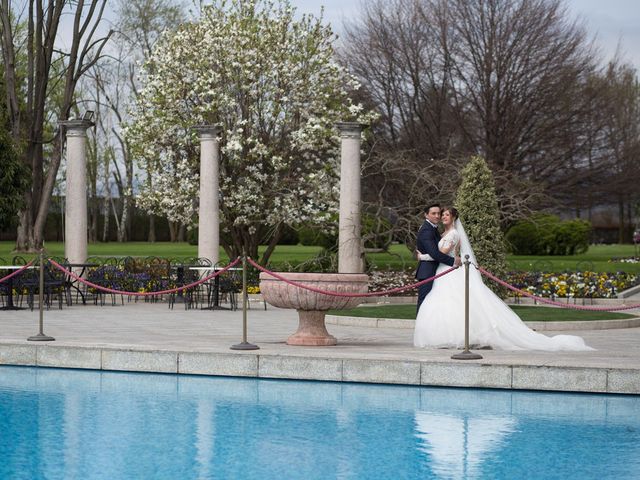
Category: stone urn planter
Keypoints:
(312, 306)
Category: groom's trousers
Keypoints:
(428, 271)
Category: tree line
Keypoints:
(516, 81)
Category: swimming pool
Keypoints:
(67, 424)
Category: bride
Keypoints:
(440, 321)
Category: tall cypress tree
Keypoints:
(477, 204)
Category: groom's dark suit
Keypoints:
(428, 238)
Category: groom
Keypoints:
(427, 242)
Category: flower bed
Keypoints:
(625, 260)
(386, 280)
(563, 285)
(573, 285)
(119, 278)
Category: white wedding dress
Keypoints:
(440, 320)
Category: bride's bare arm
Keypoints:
(446, 248)
(427, 257)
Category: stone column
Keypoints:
(209, 212)
(75, 225)
(350, 253)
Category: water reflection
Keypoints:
(86, 424)
(456, 447)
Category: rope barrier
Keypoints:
(17, 272)
(338, 294)
(552, 302)
(143, 294)
(324, 292)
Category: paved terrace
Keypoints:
(149, 337)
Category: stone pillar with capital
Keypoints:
(350, 251)
(75, 225)
(209, 210)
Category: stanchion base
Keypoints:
(40, 338)
(466, 355)
(244, 346)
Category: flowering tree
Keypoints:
(272, 83)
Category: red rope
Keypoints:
(552, 302)
(143, 294)
(13, 274)
(337, 294)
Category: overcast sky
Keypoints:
(611, 22)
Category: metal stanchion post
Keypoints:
(41, 337)
(466, 354)
(244, 345)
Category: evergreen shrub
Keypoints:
(477, 203)
(545, 234)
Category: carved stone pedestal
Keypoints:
(311, 306)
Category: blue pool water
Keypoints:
(73, 424)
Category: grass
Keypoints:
(398, 257)
(598, 255)
(291, 253)
(526, 313)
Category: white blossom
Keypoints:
(272, 83)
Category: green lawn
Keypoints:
(293, 254)
(398, 258)
(526, 313)
(597, 255)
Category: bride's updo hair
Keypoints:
(453, 211)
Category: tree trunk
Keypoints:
(173, 231)
(122, 225)
(629, 222)
(105, 212)
(24, 231)
(620, 220)
(94, 212)
(277, 235)
(152, 228)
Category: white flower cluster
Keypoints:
(272, 83)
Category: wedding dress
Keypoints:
(440, 320)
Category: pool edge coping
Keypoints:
(258, 364)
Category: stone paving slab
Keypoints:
(151, 338)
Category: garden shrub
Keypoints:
(192, 236)
(289, 236)
(317, 237)
(545, 234)
(580, 232)
(532, 236)
(376, 232)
